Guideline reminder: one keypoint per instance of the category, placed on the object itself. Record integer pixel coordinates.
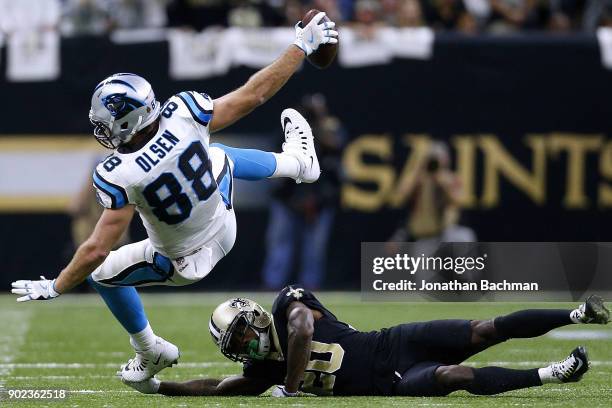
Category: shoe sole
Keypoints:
(583, 354)
(596, 305)
(285, 117)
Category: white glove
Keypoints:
(43, 289)
(314, 34)
(280, 392)
(150, 386)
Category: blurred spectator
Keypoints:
(434, 195)
(244, 14)
(449, 15)
(367, 18)
(29, 15)
(302, 216)
(367, 12)
(597, 13)
(86, 17)
(409, 14)
(330, 7)
(138, 13)
(98, 17)
(293, 12)
(512, 15)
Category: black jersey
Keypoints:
(343, 361)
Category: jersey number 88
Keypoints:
(202, 183)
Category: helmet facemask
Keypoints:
(103, 135)
(232, 344)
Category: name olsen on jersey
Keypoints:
(159, 148)
(454, 285)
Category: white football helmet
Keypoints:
(121, 105)
(231, 320)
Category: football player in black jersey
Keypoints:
(303, 347)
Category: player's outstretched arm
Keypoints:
(109, 229)
(234, 385)
(300, 328)
(266, 82)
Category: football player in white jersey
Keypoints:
(164, 168)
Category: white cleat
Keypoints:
(299, 143)
(150, 362)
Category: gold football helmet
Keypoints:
(230, 322)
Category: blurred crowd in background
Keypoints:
(98, 17)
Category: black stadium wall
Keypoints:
(527, 119)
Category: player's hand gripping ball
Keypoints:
(316, 36)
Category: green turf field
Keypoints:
(74, 343)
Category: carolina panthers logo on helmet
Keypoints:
(120, 105)
(239, 303)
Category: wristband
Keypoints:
(287, 393)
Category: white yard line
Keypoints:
(15, 324)
(532, 363)
(10, 365)
(581, 335)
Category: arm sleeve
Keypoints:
(108, 194)
(199, 105)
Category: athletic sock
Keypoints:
(577, 315)
(547, 377)
(286, 166)
(144, 339)
(125, 305)
(495, 380)
(531, 323)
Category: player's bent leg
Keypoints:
(297, 161)
(536, 322)
(430, 379)
(136, 264)
(496, 380)
(421, 381)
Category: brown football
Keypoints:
(326, 53)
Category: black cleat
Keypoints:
(595, 310)
(573, 367)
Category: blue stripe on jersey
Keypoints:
(161, 270)
(201, 115)
(117, 194)
(224, 182)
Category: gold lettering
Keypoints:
(466, 168)
(419, 147)
(381, 175)
(576, 146)
(605, 168)
(499, 161)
